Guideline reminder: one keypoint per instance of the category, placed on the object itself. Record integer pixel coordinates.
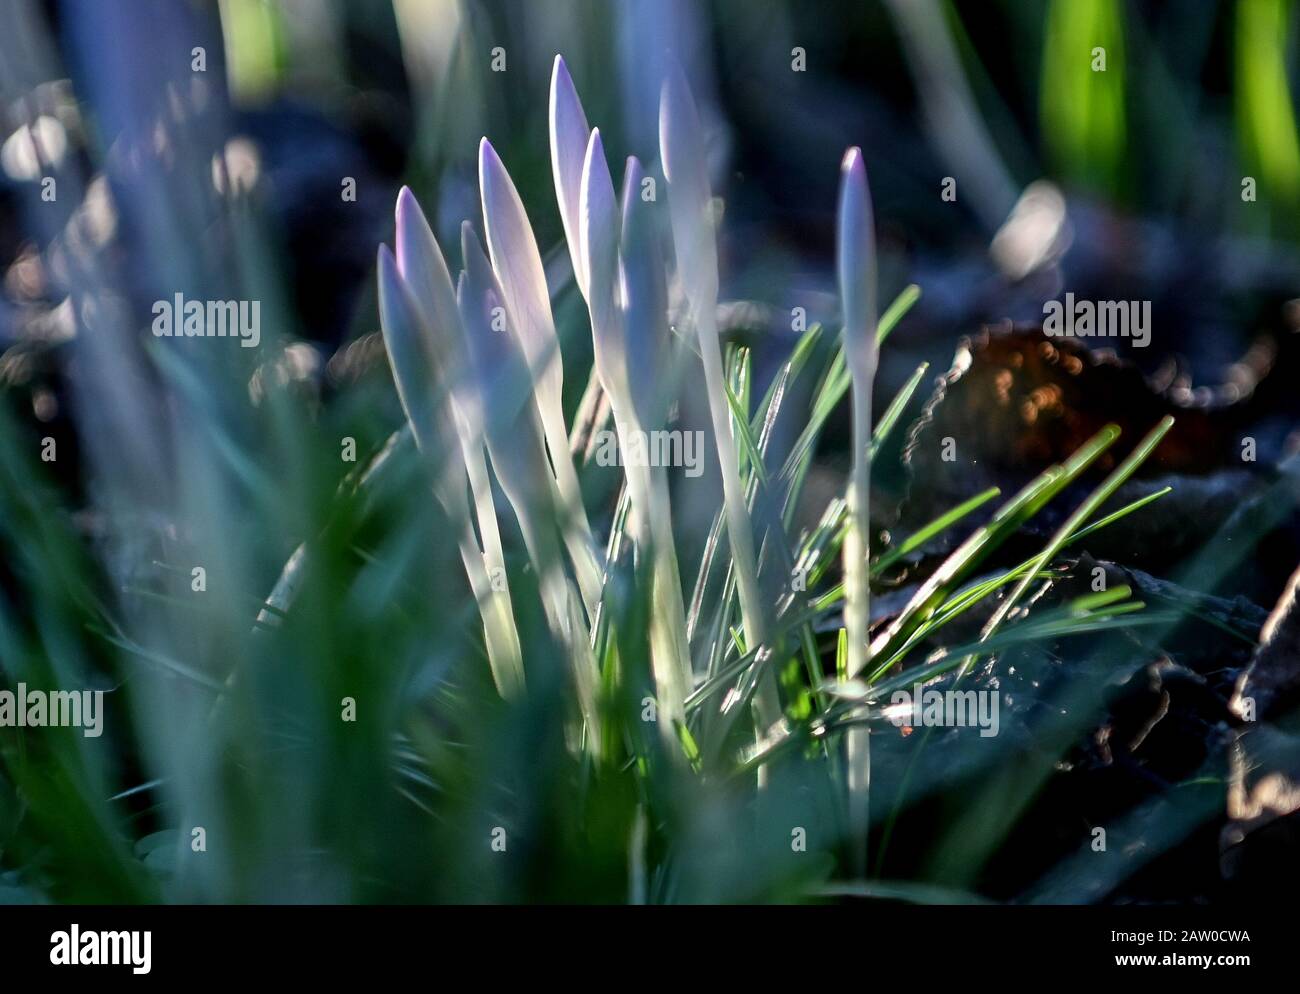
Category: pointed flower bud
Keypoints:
(856, 256)
(569, 133)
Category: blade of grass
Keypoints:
(1080, 514)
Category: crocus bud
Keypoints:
(569, 133)
(857, 265)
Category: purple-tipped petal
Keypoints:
(600, 226)
(518, 266)
(600, 238)
(511, 429)
(569, 133)
(424, 269)
(409, 344)
(856, 251)
(399, 320)
(422, 265)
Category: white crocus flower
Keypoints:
(514, 437)
(857, 278)
(423, 387)
(682, 150)
(601, 220)
(569, 132)
(517, 264)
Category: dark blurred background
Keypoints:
(1126, 183)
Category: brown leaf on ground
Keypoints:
(1015, 401)
(1018, 400)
